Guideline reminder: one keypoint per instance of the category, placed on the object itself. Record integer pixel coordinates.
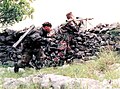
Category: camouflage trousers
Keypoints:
(29, 56)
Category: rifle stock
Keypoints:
(23, 36)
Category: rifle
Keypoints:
(67, 21)
(79, 19)
(23, 36)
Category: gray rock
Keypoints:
(11, 83)
(52, 81)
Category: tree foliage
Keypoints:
(13, 11)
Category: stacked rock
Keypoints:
(68, 44)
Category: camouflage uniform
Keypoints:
(33, 49)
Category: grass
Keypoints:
(99, 69)
(86, 70)
(107, 58)
(112, 74)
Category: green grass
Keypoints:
(90, 69)
(112, 74)
(86, 70)
(107, 58)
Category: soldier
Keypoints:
(32, 46)
(70, 30)
(73, 20)
(45, 29)
(76, 21)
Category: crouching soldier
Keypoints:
(32, 47)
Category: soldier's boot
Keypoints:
(26, 57)
(19, 64)
(16, 68)
(39, 64)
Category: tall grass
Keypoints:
(105, 59)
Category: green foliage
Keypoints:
(12, 11)
(115, 32)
